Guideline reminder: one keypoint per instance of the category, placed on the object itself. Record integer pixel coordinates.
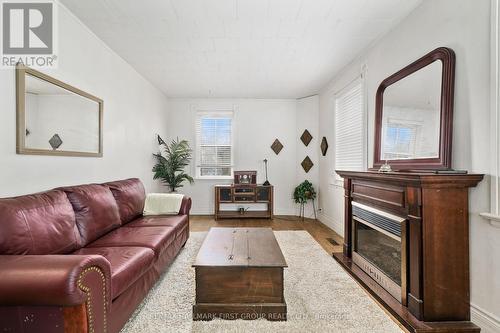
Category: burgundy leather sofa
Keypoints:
(82, 258)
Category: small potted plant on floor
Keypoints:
(302, 193)
(170, 165)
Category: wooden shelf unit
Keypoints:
(243, 194)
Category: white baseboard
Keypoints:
(210, 211)
(331, 222)
(202, 211)
(488, 322)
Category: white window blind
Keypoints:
(349, 128)
(214, 144)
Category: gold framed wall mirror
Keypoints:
(55, 118)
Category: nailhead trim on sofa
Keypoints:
(88, 303)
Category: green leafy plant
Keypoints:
(170, 165)
(303, 192)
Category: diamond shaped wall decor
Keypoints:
(306, 137)
(55, 141)
(276, 146)
(307, 164)
(324, 146)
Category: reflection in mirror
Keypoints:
(54, 118)
(411, 115)
(58, 119)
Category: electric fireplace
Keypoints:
(406, 241)
(379, 247)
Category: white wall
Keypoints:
(134, 111)
(465, 27)
(257, 123)
(308, 118)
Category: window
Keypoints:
(399, 142)
(350, 128)
(214, 144)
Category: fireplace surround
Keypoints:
(406, 240)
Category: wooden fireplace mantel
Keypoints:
(435, 209)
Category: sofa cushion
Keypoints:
(130, 196)
(127, 264)
(95, 209)
(42, 223)
(178, 222)
(155, 238)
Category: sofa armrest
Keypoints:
(185, 206)
(54, 280)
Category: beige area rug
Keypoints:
(320, 296)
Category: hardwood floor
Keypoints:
(320, 232)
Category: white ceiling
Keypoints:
(239, 48)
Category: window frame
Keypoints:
(493, 215)
(212, 113)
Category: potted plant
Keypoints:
(303, 192)
(170, 166)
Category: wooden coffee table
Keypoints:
(239, 275)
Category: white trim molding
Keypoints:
(493, 216)
(488, 322)
(495, 103)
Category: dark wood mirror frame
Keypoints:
(443, 162)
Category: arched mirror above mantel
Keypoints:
(414, 114)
